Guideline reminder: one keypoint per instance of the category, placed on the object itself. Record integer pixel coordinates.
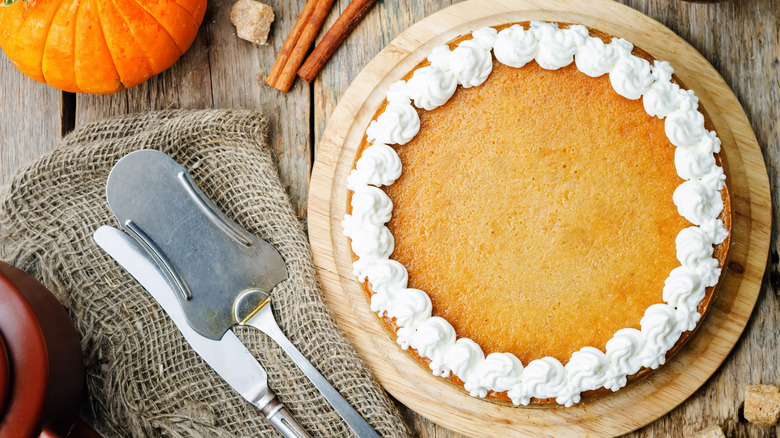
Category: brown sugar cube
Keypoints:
(252, 20)
(713, 431)
(762, 404)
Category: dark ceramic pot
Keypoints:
(41, 365)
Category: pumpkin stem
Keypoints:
(8, 2)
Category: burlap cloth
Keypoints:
(142, 376)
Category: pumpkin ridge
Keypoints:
(94, 12)
(190, 13)
(130, 29)
(170, 35)
(110, 53)
(125, 52)
(194, 19)
(63, 4)
(21, 24)
(136, 27)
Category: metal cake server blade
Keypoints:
(208, 258)
(222, 273)
(227, 356)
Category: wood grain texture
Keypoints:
(25, 134)
(741, 38)
(340, 131)
(223, 71)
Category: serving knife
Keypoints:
(227, 356)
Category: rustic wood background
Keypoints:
(741, 38)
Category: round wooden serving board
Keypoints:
(617, 413)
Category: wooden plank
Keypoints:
(222, 71)
(31, 119)
(238, 70)
(719, 401)
(379, 27)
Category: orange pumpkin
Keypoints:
(97, 46)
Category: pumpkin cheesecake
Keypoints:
(539, 211)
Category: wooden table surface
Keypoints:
(741, 38)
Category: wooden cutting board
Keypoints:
(617, 413)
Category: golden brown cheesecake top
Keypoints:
(536, 211)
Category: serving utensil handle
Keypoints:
(264, 321)
(278, 415)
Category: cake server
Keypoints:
(222, 274)
(227, 356)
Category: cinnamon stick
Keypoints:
(352, 15)
(319, 11)
(290, 42)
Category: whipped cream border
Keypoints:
(698, 200)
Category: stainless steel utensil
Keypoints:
(227, 356)
(222, 273)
